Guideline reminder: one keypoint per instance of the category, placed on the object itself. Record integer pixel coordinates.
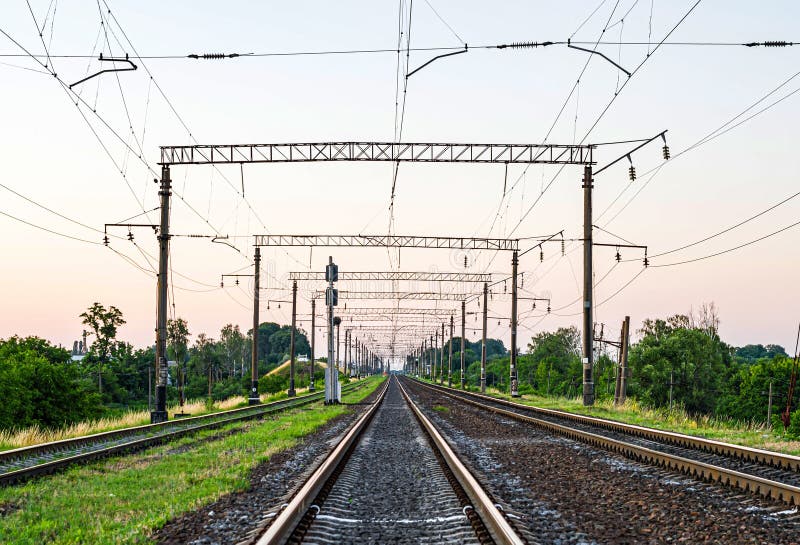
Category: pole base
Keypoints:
(311, 388)
(156, 417)
(254, 401)
(291, 392)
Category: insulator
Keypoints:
(237, 282)
(498, 322)
(534, 306)
(523, 45)
(548, 309)
(465, 262)
(279, 305)
(774, 43)
(646, 262)
(522, 281)
(562, 246)
(130, 236)
(222, 285)
(541, 256)
(665, 151)
(267, 306)
(618, 257)
(505, 288)
(105, 240)
(632, 173)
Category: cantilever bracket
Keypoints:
(109, 59)
(466, 48)
(592, 51)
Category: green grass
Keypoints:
(728, 430)
(11, 439)
(441, 409)
(122, 500)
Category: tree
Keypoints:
(233, 343)
(40, 385)
(178, 344)
(680, 359)
(103, 323)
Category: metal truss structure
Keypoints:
(394, 276)
(367, 311)
(204, 154)
(388, 241)
(402, 318)
(401, 295)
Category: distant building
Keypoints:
(79, 349)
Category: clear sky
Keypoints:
(50, 154)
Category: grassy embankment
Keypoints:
(11, 439)
(121, 500)
(751, 434)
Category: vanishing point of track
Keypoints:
(391, 479)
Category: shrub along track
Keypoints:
(569, 492)
(20, 464)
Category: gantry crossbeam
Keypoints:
(204, 154)
(403, 295)
(367, 311)
(388, 241)
(394, 275)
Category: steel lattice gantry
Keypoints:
(388, 241)
(402, 295)
(203, 154)
(394, 276)
(390, 311)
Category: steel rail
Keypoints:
(749, 483)
(195, 424)
(287, 520)
(737, 452)
(492, 517)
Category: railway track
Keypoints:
(769, 474)
(391, 479)
(20, 464)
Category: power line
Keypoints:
(366, 51)
(730, 249)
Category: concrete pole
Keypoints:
(254, 398)
(483, 344)
(588, 334)
(313, 330)
(292, 392)
(463, 342)
(441, 358)
(160, 412)
(514, 383)
(450, 356)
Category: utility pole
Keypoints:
(483, 344)
(254, 398)
(620, 388)
(463, 333)
(769, 406)
(313, 330)
(292, 392)
(332, 390)
(623, 372)
(338, 346)
(450, 356)
(346, 346)
(671, 384)
(513, 363)
(422, 362)
(441, 359)
(588, 337)
(160, 412)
